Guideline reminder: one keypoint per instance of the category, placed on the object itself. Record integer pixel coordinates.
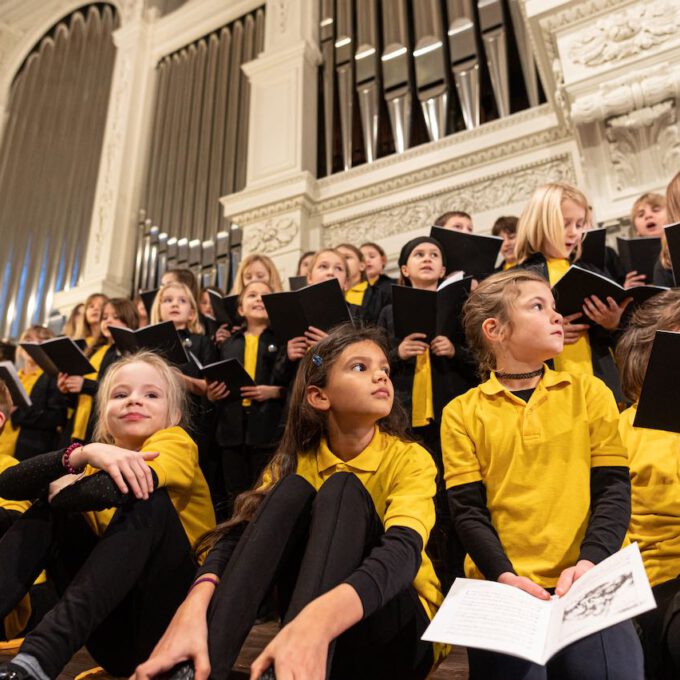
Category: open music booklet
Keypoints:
(501, 618)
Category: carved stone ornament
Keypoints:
(478, 196)
(626, 33)
(282, 11)
(131, 9)
(270, 236)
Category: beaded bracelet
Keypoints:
(67, 455)
(205, 579)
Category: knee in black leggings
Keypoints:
(344, 489)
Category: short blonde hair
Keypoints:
(493, 299)
(650, 198)
(541, 224)
(194, 326)
(171, 376)
(274, 276)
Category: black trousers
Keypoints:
(660, 632)
(306, 543)
(117, 593)
(242, 465)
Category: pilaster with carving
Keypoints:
(109, 259)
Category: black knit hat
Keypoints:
(414, 243)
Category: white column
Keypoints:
(108, 265)
(282, 136)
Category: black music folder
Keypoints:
(594, 248)
(225, 309)
(148, 297)
(161, 338)
(431, 312)
(297, 282)
(475, 254)
(659, 404)
(9, 375)
(578, 284)
(639, 254)
(229, 371)
(672, 233)
(321, 305)
(59, 355)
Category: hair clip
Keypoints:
(317, 360)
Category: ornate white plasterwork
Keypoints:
(271, 236)
(626, 33)
(476, 196)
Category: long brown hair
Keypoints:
(660, 313)
(127, 313)
(305, 426)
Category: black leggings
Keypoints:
(118, 592)
(661, 632)
(306, 543)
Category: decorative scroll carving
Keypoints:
(643, 139)
(626, 33)
(491, 192)
(270, 236)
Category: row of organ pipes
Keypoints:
(366, 46)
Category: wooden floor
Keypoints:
(454, 668)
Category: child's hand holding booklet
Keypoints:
(500, 618)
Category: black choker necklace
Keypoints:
(520, 376)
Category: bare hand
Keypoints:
(196, 386)
(296, 348)
(442, 347)
(185, 639)
(222, 334)
(571, 574)
(634, 279)
(525, 584)
(261, 392)
(299, 651)
(125, 467)
(70, 384)
(216, 391)
(607, 315)
(573, 331)
(412, 346)
(314, 335)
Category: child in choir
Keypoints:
(74, 321)
(339, 523)
(181, 275)
(257, 267)
(506, 228)
(41, 597)
(648, 216)
(34, 429)
(548, 236)
(536, 473)
(366, 299)
(114, 527)
(663, 269)
(248, 429)
(458, 220)
(376, 261)
(102, 353)
(142, 314)
(654, 463)
(304, 262)
(174, 302)
(88, 326)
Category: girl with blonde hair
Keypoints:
(663, 269)
(549, 235)
(257, 267)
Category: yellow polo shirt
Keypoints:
(576, 358)
(355, 295)
(655, 492)
(177, 469)
(400, 478)
(534, 459)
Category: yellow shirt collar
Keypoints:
(367, 461)
(550, 379)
